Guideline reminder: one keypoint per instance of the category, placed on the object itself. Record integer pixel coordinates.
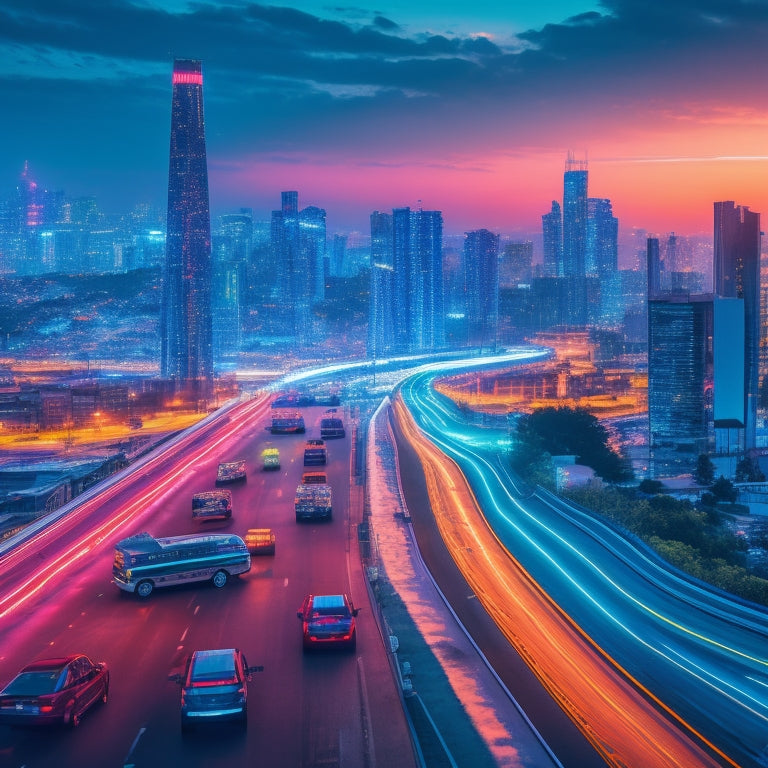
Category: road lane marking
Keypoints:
(126, 764)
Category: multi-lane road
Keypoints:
(699, 655)
(56, 597)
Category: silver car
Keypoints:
(214, 687)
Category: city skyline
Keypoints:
(471, 113)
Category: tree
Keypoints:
(748, 471)
(723, 490)
(574, 431)
(704, 474)
(651, 487)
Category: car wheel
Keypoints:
(144, 589)
(105, 692)
(73, 719)
(219, 579)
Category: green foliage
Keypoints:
(693, 540)
(704, 474)
(748, 471)
(723, 490)
(651, 487)
(573, 431)
(729, 577)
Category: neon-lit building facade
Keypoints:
(186, 327)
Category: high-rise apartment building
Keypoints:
(481, 275)
(186, 329)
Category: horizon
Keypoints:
(471, 111)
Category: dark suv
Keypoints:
(328, 621)
(214, 687)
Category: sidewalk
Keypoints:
(461, 713)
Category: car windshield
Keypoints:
(34, 683)
(219, 668)
(330, 605)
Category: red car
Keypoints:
(54, 690)
(328, 621)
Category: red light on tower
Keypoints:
(187, 78)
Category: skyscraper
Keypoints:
(187, 337)
(409, 283)
(552, 230)
(381, 338)
(737, 276)
(602, 251)
(680, 375)
(481, 273)
(574, 217)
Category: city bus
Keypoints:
(143, 562)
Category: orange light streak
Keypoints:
(609, 706)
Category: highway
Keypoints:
(699, 657)
(329, 709)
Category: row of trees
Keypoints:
(692, 538)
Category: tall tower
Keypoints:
(417, 280)
(187, 336)
(737, 276)
(574, 217)
(382, 312)
(481, 270)
(552, 229)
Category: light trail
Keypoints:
(130, 511)
(619, 721)
(731, 636)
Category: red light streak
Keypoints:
(137, 506)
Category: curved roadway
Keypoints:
(700, 656)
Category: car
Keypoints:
(260, 541)
(314, 478)
(214, 687)
(58, 690)
(212, 505)
(270, 459)
(315, 453)
(328, 621)
(231, 472)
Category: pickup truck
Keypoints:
(313, 502)
(315, 453)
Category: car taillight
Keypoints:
(45, 709)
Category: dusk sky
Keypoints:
(469, 108)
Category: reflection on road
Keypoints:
(571, 594)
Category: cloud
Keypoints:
(281, 80)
